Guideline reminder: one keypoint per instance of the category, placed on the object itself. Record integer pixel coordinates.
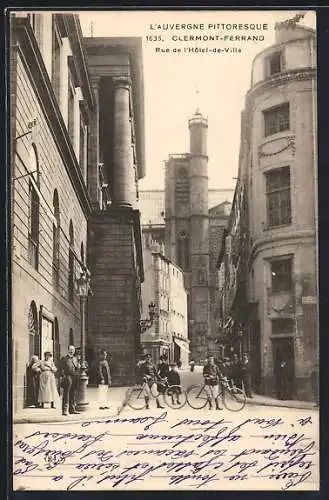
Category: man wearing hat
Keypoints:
(212, 377)
(150, 376)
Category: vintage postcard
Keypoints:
(164, 250)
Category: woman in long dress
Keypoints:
(32, 382)
(47, 387)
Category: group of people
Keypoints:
(45, 380)
(236, 371)
(156, 379)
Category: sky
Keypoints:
(175, 84)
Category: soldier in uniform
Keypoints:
(212, 377)
(149, 374)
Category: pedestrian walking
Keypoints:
(32, 382)
(70, 369)
(104, 380)
(246, 375)
(48, 392)
(149, 374)
(192, 365)
(212, 377)
(174, 381)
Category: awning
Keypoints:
(182, 345)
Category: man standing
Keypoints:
(246, 375)
(104, 380)
(149, 376)
(236, 371)
(212, 378)
(70, 369)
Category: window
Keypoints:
(278, 197)
(56, 239)
(33, 21)
(82, 253)
(276, 119)
(71, 265)
(282, 326)
(70, 110)
(183, 249)
(281, 271)
(33, 236)
(56, 62)
(82, 152)
(275, 63)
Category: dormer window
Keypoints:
(275, 63)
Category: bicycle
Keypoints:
(174, 395)
(234, 398)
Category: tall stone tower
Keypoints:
(187, 228)
(199, 300)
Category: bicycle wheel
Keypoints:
(234, 399)
(136, 399)
(175, 396)
(197, 396)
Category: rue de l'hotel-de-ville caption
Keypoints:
(190, 305)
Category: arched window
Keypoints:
(33, 329)
(71, 337)
(183, 251)
(71, 264)
(56, 239)
(34, 209)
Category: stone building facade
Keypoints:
(278, 168)
(77, 125)
(116, 155)
(164, 286)
(51, 105)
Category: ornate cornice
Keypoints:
(80, 57)
(299, 74)
(37, 71)
(132, 47)
(287, 238)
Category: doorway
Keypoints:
(47, 336)
(284, 367)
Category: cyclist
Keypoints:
(149, 376)
(174, 381)
(212, 377)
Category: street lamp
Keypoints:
(83, 288)
(148, 322)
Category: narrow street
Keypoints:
(260, 447)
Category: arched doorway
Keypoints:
(33, 329)
(30, 391)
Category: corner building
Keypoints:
(164, 286)
(280, 154)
